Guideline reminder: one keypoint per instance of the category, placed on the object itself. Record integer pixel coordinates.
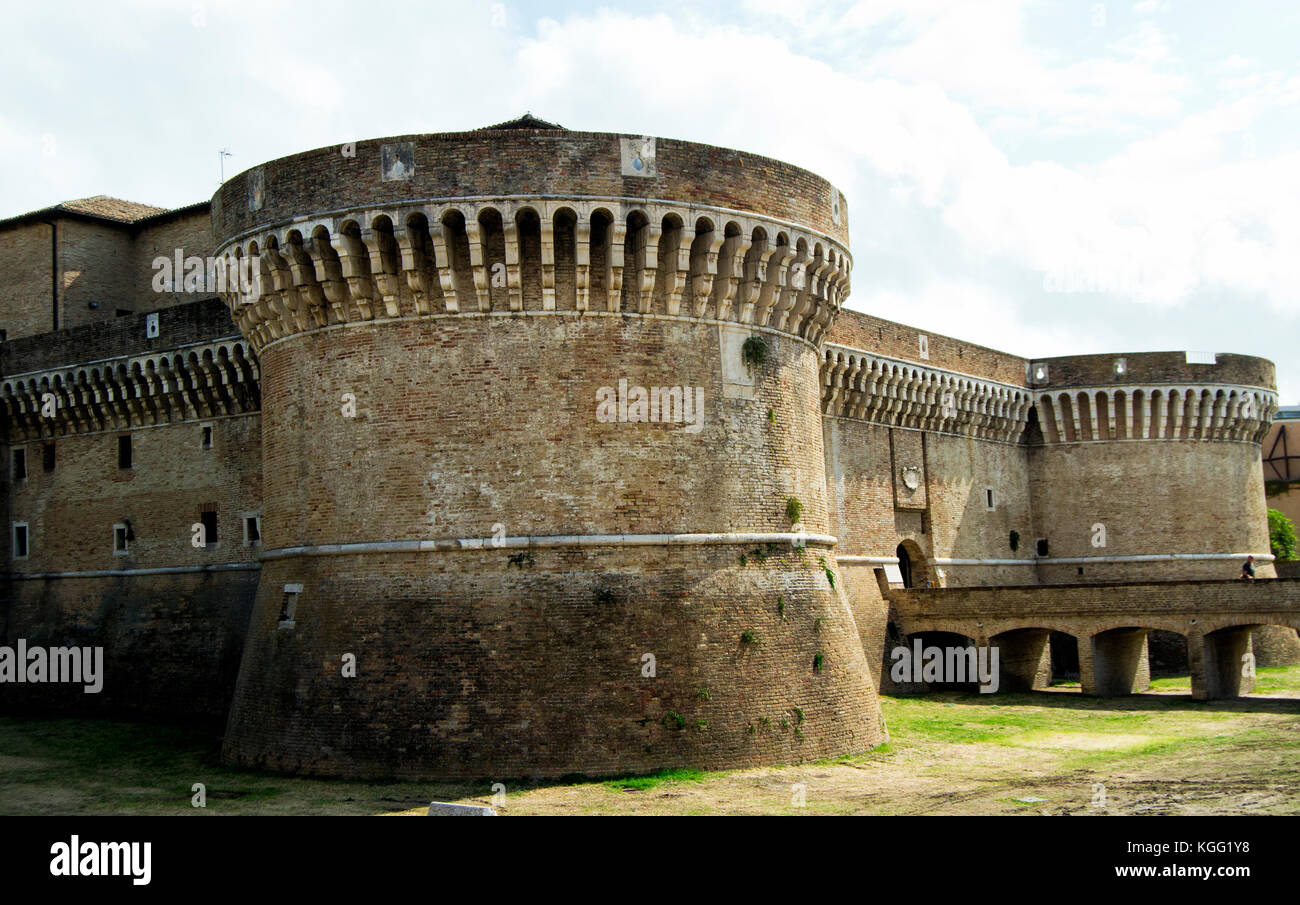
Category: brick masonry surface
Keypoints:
(379, 413)
(494, 164)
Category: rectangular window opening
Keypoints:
(252, 530)
(19, 540)
(20, 465)
(207, 436)
(209, 521)
(124, 451)
(988, 499)
(47, 457)
(121, 539)
(289, 605)
(1041, 546)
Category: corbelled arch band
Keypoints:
(537, 255)
(864, 386)
(1157, 412)
(208, 380)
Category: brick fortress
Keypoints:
(363, 508)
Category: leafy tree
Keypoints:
(1281, 535)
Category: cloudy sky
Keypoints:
(1046, 177)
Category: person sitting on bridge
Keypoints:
(1248, 568)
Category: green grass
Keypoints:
(652, 780)
(1278, 680)
(963, 718)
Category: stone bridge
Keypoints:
(1110, 623)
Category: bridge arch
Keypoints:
(909, 666)
(1119, 662)
(1025, 657)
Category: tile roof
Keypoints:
(527, 121)
(99, 207)
(111, 208)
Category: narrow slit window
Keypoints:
(988, 499)
(20, 465)
(124, 451)
(19, 540)
(206, 440)
(47, 457)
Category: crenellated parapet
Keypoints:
(192, 383)
(866, 387)
(1155, 412)
(527, 255)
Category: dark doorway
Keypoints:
(1065, 656)
(904, 565)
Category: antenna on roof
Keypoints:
(222, 155)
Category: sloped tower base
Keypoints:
(582, 662)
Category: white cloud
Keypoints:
(983, 147)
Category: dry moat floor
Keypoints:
(1051, 752)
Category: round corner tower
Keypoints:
(535, 403)
(1150, 465)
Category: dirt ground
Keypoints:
(1053, 752)
(1240, 757)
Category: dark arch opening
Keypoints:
(565, 225)
(529, 228)
(913, 566)
(599, 243)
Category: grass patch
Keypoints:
(653, 780)
(1278, 680)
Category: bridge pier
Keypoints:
(1215, 661)
(1115, 663)
(1024, 660)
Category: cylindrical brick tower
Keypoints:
(1150, 466)
(535, 403)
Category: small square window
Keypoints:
(121, 539)
(19, 540)
(1041, 546)
(47, 456)
(206, 436)
(20, 464)
(124, 451)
